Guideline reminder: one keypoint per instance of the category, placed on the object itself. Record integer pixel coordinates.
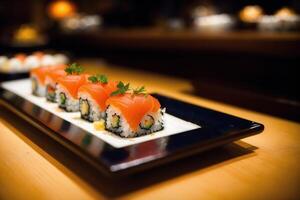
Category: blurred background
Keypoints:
(244, 53)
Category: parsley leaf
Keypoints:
(74, 69)
(103, 79)
(140, 90)
(122, 89)
(98, 79)
(93, 79)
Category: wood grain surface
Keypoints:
(265, 166)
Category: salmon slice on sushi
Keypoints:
(92, 97)
(38, 77)
(51, 82)
(133, 114)
(67, 88)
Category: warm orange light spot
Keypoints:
(285, 12)
(26, 33)
(251, 14)
(61, 8)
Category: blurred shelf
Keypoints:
(269, 43)
(257, 99)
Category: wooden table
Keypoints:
(265, 166)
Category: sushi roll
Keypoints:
(34, 60)
(51, 81)
(16, 63)
(67, 88)
(31, 62)
(47, 60)
(133, 114)
(3, 63)
(21, 57)
(61, 59)
(3, 60)
(38, 76)
(38, 54)
(92, 97)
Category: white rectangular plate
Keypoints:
(173, 125)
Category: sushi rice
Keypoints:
(89, 109)
(65, 100)
(51, 92)
(37, 88)
(116, 123)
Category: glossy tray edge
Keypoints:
(255, 129)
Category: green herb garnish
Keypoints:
(74, 69)
(140, 90)
(98, 79)
(122, 89)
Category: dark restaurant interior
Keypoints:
(244, 54)
(240, 62)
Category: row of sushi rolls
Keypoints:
(110, 105)
(22, 63)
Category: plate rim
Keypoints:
(108, 169)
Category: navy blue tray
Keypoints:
(216, 129)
